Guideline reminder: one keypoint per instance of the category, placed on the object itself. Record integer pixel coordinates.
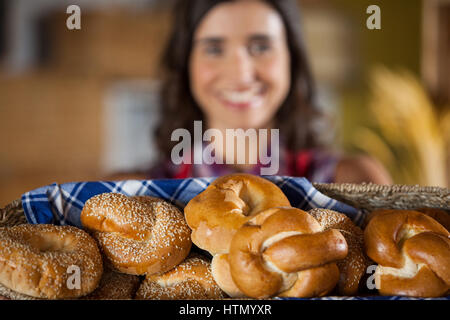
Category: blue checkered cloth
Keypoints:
(61, 204)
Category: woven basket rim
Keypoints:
(12, 204)
(372, 187)
(12, 214)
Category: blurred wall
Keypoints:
(53, 114)
(397, 45)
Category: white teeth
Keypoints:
(241, 96)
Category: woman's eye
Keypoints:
(213, 50)
(258, 48)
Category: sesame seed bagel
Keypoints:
(138, 235)
(191, 279)
(353, 267)
(215, 214)
(115, 285)
(37, 261)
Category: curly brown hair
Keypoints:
(298, 116)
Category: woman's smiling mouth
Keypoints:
(242, 99)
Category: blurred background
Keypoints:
(78, 105)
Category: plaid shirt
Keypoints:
(317, 165)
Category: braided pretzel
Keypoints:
(138, 235)
(412, 251)
(215, 214)
(284, 251)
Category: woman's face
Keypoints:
(240, 65)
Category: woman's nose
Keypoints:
(239, 68)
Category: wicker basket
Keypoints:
(363, 196)
(12, 214)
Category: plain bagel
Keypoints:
(215, 214)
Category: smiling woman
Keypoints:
(242, 65)
(240, 74)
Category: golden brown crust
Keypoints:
(271, 252)
(314, 282)
(389, 284)
(115, 286)
(413, 253)
(138, 235)
(220, 269)
(441, 216)
(41, 261)
(191, 279)
(354, 266)
(215, 214)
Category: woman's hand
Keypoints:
(361, 168)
